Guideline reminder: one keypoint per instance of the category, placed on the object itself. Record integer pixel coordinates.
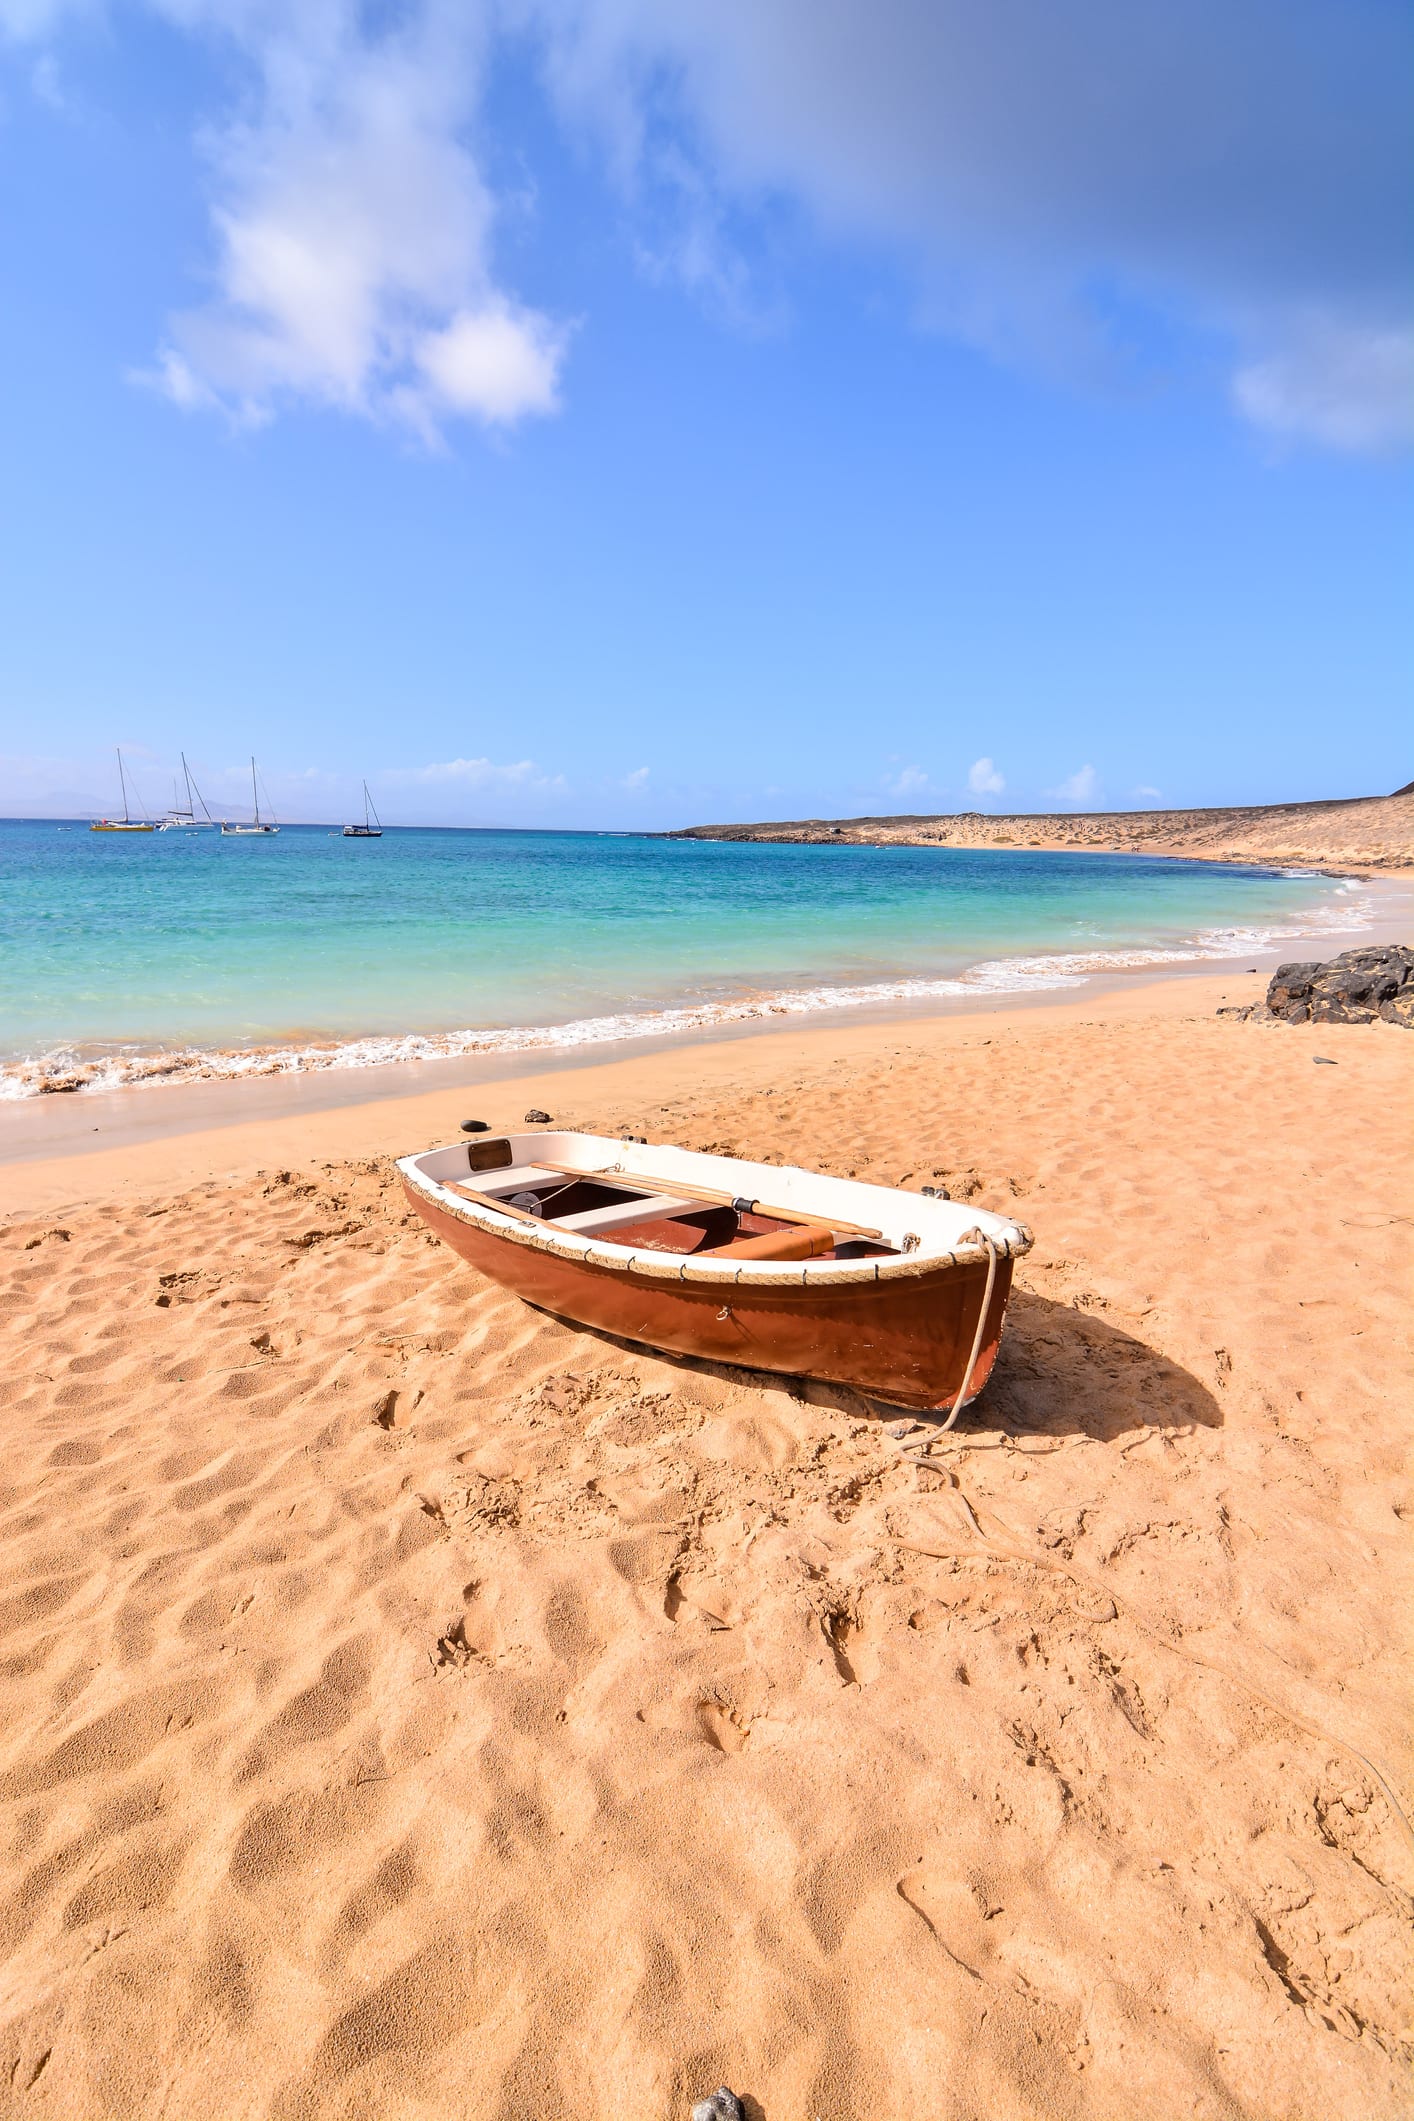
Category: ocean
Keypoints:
(168, 956)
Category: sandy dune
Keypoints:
(410, 1706)
(1366, 833)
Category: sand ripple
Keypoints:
(410, 1706)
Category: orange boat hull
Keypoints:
(904, 1340)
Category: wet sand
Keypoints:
(412, 1705)
(51, 1128)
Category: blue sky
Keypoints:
(589, 412)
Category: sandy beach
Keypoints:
(413, 1706)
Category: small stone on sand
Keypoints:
(722, 2106)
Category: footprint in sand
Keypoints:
(721, 1725)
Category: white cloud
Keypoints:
(912, 780)
(984, 779)
(1145, 794)
(1350, 388)
(1081, 788)
(638, 778)
(477, 773)
(1065, 182)
(501, 363)
(353, 227)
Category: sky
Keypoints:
(607, 413)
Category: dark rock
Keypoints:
(1372, 984)
(533, 1118)
(1291, 983)
(476, 1126)
(1336, 1009)
(723, 2105)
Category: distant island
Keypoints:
(1354, 833)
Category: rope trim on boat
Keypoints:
(974, 1248)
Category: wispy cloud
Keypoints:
(911, 780)
(1144, 794)
(984, 779)
(1045, 208)
(1049, 213)
(1349, 387)
(476, 773)
(638, 778)
(352, 226)
(1081, 788)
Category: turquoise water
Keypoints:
(117, 954)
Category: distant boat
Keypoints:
(366, 831)
(123, 823)
(261, 826)
(180, 820)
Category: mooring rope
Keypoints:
(960, 1401)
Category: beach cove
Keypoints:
(177, 958)
(410, 1700)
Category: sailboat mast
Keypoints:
(254, 791)
(123, 784)
(191, 807)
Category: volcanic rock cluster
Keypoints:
(1358, 987)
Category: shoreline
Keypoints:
(1027, 980)
(122, 1144)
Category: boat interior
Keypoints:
(637, 1211)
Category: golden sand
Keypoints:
(411, 1706)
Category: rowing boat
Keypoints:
(896, 1294)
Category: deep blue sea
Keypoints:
(164, 955)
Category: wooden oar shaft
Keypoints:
(712, 1196)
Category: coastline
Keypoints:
(370, 1627)
(58, 1152)
(374, 1066)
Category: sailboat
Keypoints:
(123, 823)
(261, 826)
(180, 820)
(366, 831)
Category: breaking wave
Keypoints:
(70, 1069)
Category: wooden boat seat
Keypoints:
(641, 1207)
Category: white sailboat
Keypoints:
(180, 820)
(366, 831)
(123, 823)
(261, 827)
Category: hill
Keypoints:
(1357, 833)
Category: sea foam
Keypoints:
(68, 1068)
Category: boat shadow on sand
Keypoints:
(1061, 1371)
(1067, 1371)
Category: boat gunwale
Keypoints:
(1013, 1242)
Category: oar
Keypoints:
(712, 1197)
